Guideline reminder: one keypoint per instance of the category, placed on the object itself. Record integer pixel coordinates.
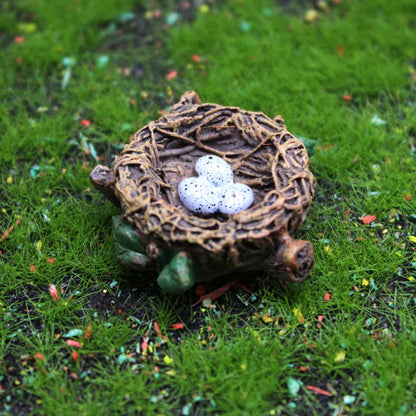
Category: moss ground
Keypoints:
(81, 335)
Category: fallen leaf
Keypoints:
(377, 121)
(293, 385)
(39, 356)
(171, 74)
(318, 390)
(298, 313)
(53, 292)
(75, 332)
(73, 343)
(340, 356)
(368, 219)
(168, 360)
(88, 332)
(85, 123)
(144, 345)
(267, 319)
(311, 15)
(196, 58)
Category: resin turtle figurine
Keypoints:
(159, 228)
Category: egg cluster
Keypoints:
(214, 189)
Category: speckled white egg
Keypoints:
(198, 195)
(217, 171)
(235, 197)
(214, 190)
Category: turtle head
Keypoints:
(102, 178)
(293, 259)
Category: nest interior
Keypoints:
(262, 153)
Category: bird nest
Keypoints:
(262, 154)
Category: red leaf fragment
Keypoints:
(244, 287)
(318, 390)
(39, 356)
(53, 292)
(196, 58)
(217, 292)
(368, 219)
(75, 356)
(50, 259)
(172, 74)
(8, 231)
(341, 50)
(73, 343)
(85, 123)
(19, 39)
(33, 268)
(88, 332)
(321, 318)
(346, 97)
(199, 290)
(144, 344)
(157, 329)
(327, 297)
(158, 332)
(178, 325)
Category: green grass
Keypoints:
(349, 330)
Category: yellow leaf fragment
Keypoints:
(267, 319)
(168, 360)
(340, 356)
(298, 313)
(311, 15)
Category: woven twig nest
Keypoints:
(263, 155)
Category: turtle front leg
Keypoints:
(129, 249)
(178, 275)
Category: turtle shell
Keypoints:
(262, 154)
